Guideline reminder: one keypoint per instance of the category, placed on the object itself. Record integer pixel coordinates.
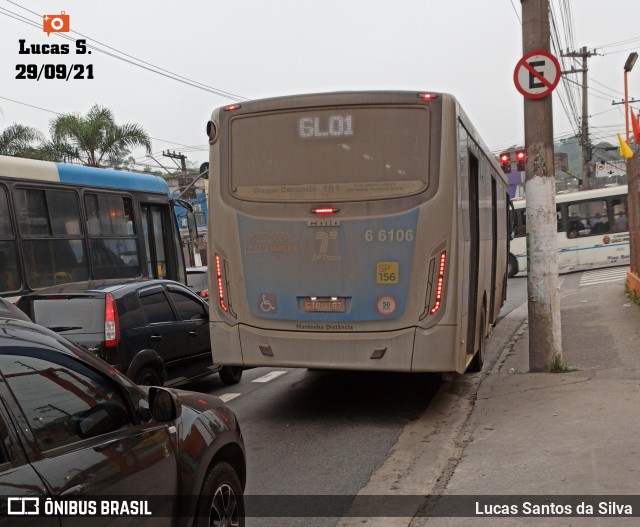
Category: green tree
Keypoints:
(18, 140)
(96, 139)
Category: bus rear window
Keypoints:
(330, 154)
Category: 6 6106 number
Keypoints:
(389, 235)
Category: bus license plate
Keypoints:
(324, 305)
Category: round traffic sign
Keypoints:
(537, 74)
(386, 305)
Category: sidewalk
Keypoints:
(550, 435)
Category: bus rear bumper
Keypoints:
(383, 351)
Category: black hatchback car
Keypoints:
(156, 332)
(71, 427)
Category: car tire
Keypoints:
(231, 375)
(148, 376)
(221, 500)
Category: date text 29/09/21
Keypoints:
(53, 71)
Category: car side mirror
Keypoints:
(163, 404)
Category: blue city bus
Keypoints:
(355, 231)
(69, 223)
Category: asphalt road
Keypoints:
(326, 432)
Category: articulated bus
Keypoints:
(356, 231)
(69, 223)
(593, 230)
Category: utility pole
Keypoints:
(584, 131)
(179, 156)
(545, 338)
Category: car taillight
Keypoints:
(111, 325)
(205, 294)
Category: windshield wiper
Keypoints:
(57, 329)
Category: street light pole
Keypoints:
(628, 66)
(633, 199)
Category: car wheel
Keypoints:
(148, 376)
(231, 375)
(512, 268)
(221, 501)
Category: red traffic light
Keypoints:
(521, 157)
(505, 162)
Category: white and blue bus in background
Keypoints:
(70, 223)
(593, 230)
(355, 230)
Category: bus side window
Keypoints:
(620, 219)
(53, 245)
(559, 217)
(588, 218)
(575, 224)
(521, 223)
(10, 279)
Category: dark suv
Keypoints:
(71, 427)
(154, 331)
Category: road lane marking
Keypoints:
(269, 376)
(604, 276)
(226, 397)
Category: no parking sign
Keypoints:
(537, 74)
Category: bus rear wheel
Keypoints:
(478, 359)
(230, 375)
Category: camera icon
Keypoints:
(55, 23)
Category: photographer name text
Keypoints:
(602, 508)
(50, 71)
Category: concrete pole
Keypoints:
(545, 338)
(586, 148)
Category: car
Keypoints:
(72, 426)
(198, 280)
(154, 331)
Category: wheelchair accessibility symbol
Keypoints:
(268, 303)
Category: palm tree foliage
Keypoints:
(95, 139)
(18, 139)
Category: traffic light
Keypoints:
(505, 162)
(521, 157)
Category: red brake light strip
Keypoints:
(220, 286)
(439, 287)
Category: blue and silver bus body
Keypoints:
(361, 284)
(78, 175)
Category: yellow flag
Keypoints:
(625, 151)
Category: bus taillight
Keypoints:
(223, 305)
(427, 96)
(232, 107)
(440, 283)
(324, 211)
(222, 284)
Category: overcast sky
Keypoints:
(255, 48)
